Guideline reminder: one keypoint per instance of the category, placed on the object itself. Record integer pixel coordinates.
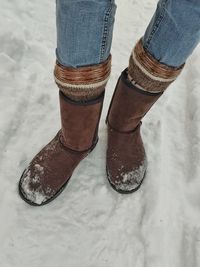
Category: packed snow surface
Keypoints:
(89, 224)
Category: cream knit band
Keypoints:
(148, 73)
(85, 82)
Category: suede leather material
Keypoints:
(50, 170)
(130, 105)
(79, 122)
(126, 158)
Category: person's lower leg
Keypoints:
(155, 62)
(81, 72)
(171, 36)
(84, 37)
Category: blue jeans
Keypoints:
(85, 31)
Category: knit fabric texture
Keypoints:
(148, 73)
(85, 82)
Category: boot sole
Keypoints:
(123, 191)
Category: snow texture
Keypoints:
(90, 224)
(128, 181)
(37, 196)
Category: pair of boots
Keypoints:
(126, 162)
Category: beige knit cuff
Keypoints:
(83, 83)
(148, 73)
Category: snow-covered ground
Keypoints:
(89, 224)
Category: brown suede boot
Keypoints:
(138, 88)
(50, 170)
(126, 158)
(81, 98)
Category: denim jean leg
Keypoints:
(84, 31)
(174, 31)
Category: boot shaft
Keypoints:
(80, 122)
(129, 105)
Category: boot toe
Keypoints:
(127, 181)
(48, 173)
(32, 191)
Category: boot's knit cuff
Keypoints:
(148, 72)
(85, 82)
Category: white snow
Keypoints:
(90, 224)
(134, 175)
(128, 181)
(37, 196)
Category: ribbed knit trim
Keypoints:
(148, 73)
(82, 86)
(85, 82)
(82, 94)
